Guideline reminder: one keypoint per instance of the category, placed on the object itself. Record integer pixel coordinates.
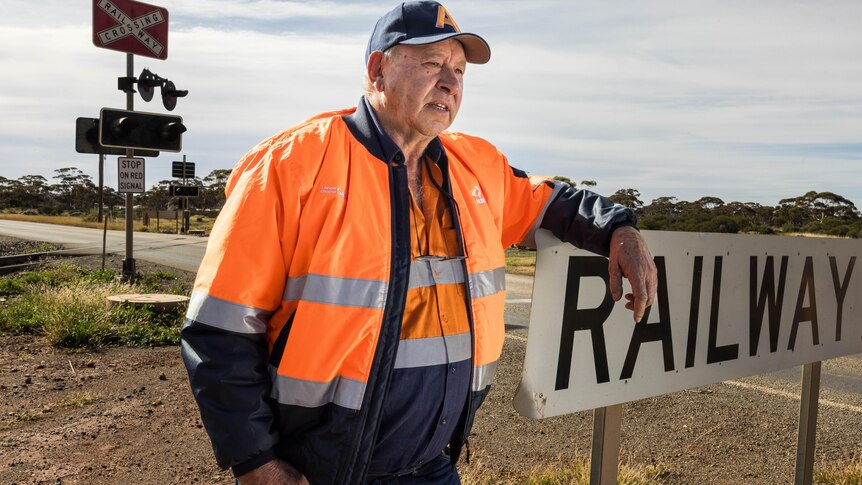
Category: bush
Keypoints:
(68, 305)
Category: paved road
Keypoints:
(176, 251)
(841, 381)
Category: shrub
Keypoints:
(68, 305)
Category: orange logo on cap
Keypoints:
(444, 18)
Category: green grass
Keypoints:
(67, 304)
(520, 261)
(40, 247)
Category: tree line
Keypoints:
(74, 192)
(813, 212)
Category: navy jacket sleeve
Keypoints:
(229, 379)
(585, 219)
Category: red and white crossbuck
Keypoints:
(132, 27)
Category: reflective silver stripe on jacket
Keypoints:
(483, 375)
(342, 391)
(488, 283)
(226, 315)
(429, 273)
(530, 238)
(333, 290)
(423, 352)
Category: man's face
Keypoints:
(423, 86)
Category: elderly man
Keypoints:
(348, 315)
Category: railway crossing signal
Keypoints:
(87, 140)
(184, 191)
(138, 130)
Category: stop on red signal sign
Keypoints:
(132, 27)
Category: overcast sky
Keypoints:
(744, 100)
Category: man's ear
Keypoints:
(375, 69)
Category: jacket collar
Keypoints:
(366, 128)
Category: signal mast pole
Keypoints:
(129, 262)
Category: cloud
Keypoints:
(741, 100)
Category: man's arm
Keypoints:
(239, 291)
(229, 379)
(595, 223)
(584, 218)
(598, 224)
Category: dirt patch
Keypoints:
(126, 415)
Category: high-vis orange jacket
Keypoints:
(295, 318)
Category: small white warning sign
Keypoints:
(131, 171)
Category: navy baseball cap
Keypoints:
(420, 23)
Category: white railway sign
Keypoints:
(728, 306)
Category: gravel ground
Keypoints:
(127, 416)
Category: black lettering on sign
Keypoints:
(807, 313)
(696, 275)
(652, 332)
(840, 290)
(591, 319)
(769, 298)
(717, 353)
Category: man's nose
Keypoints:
(449, 81)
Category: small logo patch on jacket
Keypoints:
(477, 193)
(332, 190)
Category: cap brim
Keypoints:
(476, 50)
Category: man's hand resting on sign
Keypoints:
(631, 258)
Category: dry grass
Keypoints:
(78, 400)
(811, 234)
(28, 415)
(560, 473)
(840, 475)
(75, 400)
(114, 223)
(77, 311)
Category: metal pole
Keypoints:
(604, 463)
(807, 424)
(101, 184)
(185, 200)
(129, 262)
(104, 242)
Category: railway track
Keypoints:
(17, 262)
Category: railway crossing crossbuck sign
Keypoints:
(131, 27)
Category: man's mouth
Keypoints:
(440, 106)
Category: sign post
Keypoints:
(129, 269)
(807, 424)
(134, 28)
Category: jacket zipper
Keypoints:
(385, 345)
